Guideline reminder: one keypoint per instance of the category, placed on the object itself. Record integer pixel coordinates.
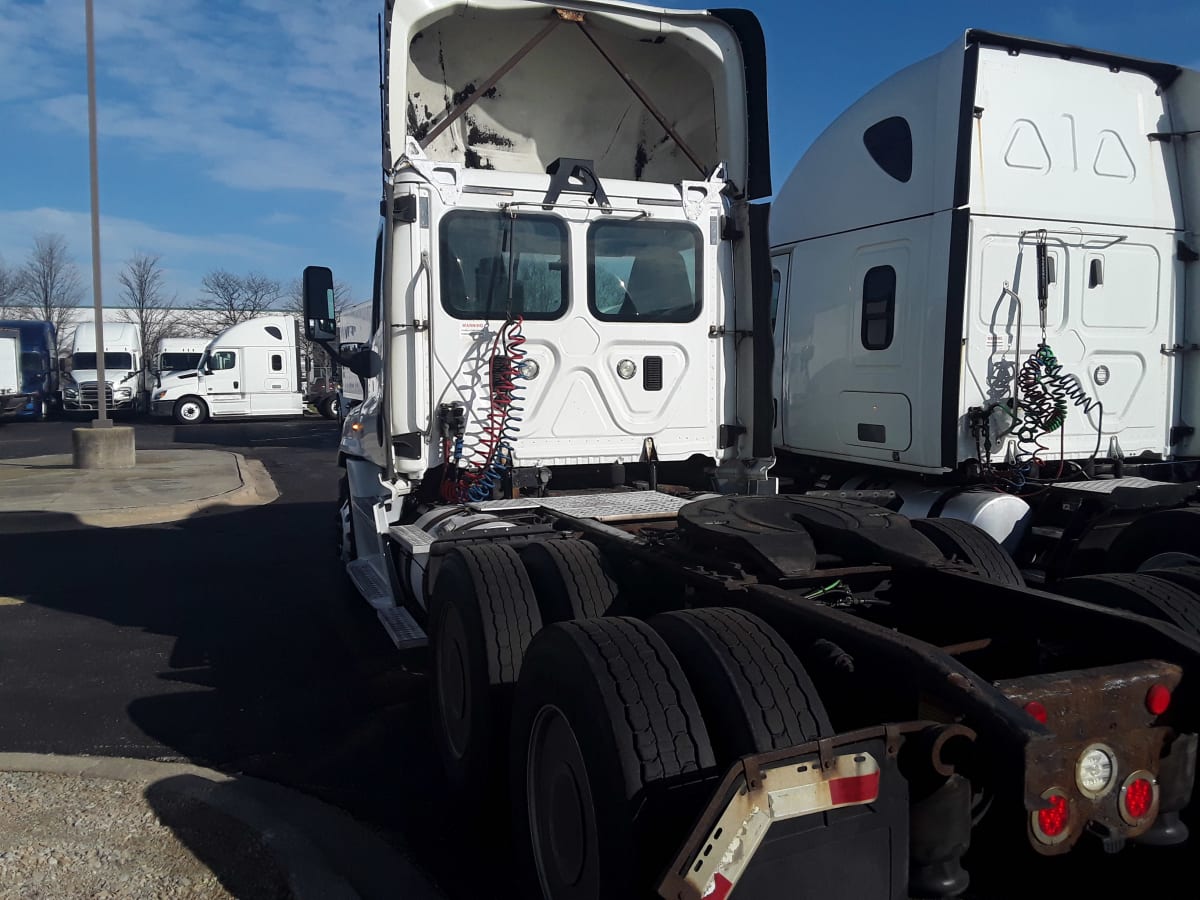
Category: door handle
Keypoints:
(235, 385)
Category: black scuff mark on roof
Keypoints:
(491, 93)
(640, 158)
(475, 161)
(480, 135)
(460, 96)
(419, 123)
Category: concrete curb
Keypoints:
(324, 852)
(257, 489)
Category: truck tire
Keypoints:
(190, 411)
(603, 711)
(1185, 576)
(1169, 537)
(328, 406)
(972, 545)
(1145, 595)
(753, 691)
(483, 616)
(570, 580)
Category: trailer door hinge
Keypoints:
(716, 331)
(417, 325)
(404, 209)
(1178, 349)
(1184, 253)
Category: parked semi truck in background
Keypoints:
(178, 354)
(987, 303)
(12, 399)
(249, 369)
(678, 680)
(39, 380)
(125, 378)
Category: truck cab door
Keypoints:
(224, 384)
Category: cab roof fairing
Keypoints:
(564, 99)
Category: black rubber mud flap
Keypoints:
(483, 617)
(604, 721)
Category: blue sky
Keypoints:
(245, 135)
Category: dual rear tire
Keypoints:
(594, 715)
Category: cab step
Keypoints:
(403, 629)
(369, 574)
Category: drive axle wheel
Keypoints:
(483, 615)
(190, 411)
(1145, 595)
(1170, 537)
(972, 545)
(603, 713)
(753, 691)
(1184, 576)
(570, 580)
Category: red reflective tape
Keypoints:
(720, 889)
(855, 789)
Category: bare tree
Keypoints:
(146, 306)
(49, 287)
(315, 357)
(10, 284)
(235, 298)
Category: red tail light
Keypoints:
(1053, 821)
(1052, 824)
(1139, 797)
(1038, 711)
(1158, 698)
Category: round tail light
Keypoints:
(1139, 797)
(1052, 824)
(1158, 698)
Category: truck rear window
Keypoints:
(479, 251)
(643, 271)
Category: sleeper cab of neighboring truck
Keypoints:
(250, 369)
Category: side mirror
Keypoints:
(320, 321)
(365, 363)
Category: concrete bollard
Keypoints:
(103, 448)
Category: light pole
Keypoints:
(102, 420)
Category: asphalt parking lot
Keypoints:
(227, 639)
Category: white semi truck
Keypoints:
(125, 378)
(12, 399)
(988, 306)
(249, 369)
(179, 354)
(559, 480)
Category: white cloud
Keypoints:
(266, 96)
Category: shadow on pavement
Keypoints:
(263, 433)
(229, 848)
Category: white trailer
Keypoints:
(987, 299)
(249, 369)
(125, 378)
(677, 688)
(12, 400)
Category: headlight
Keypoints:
(71, 392)
(626, 368)
(124, 392)
(160, 394)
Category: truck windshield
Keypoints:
(179, 362)
(87, 361)
(643, 271)
(477, 251)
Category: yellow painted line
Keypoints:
(10, 601)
